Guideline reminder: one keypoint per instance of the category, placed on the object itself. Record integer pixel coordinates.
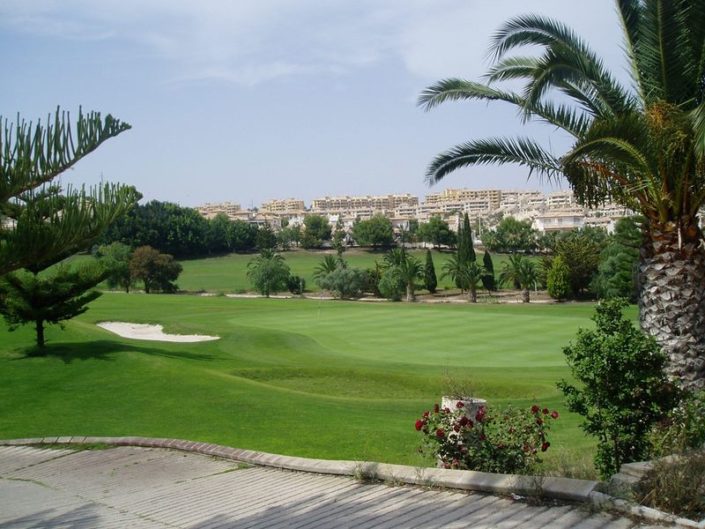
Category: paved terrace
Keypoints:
(141, 487)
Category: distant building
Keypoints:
(367, 202)
(210, 210)
(285, 206)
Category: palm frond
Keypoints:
(459, 90)
(521, 151)
(698, 118)
(665, 56)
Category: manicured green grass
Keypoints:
(229, 273)
(325, 379)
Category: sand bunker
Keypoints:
(145, 331)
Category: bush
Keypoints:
(683, 429)
(508, 441)
(624, 391)
(392, 285)
(558, 279)
(344, 283)
(296, 284)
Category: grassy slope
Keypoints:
(229, 273)
(311, 378)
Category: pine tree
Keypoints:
(430, 280)
(466, 249)
(52, 297)
(40, 224)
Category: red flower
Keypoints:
(425, 414)
(539, 421)
(535, 409)
(545, 411)
(440, 433)
(436, 408)
(480, 415)
(446, 410)
(545, 446)
(464, 421)
(456, 428)
(459, 404)
(554, 414)
(419, 424)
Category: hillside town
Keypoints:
(548, 212)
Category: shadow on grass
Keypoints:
(101, 350)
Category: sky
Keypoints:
(250, 100)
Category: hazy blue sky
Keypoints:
(247, 100)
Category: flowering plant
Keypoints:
(509, 440)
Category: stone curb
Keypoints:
(547, 487)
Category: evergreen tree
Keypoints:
(39, 224)
(488, 279)
(558, 279)
(58, 295)
(430, 280)
(466, 248)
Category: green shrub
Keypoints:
(558, 279)
(624, 391)
(683, 429)
(296, 285)
(391, 285)
(344, 283)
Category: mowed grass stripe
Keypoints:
(338, 380)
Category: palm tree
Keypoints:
(327, 265)
(467, 274)
(641, 145)
(268, 272)
(519, 270)
(407, 267)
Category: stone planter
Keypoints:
(470, 404)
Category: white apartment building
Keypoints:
(210, 210)
(367, 202)
(284, 206)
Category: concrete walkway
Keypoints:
(141, 487)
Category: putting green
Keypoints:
(328, 379)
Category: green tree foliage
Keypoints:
(156, 270)
(266, 238)
(243, 236)
(581, 254)
(327, 265)
(429, 274)
(519, 270)
(488, 279)
(406, 267)
(51, 297)
(268, 273)
(467, 274)
(288, 236)
(623, 389)
(115, 258)
(170, 228)
(437, 232)
(339, 237)
(619, 261)
(40, 224)
(511, 236)
(391, 284)
(466, 247)
(558, 279)
(376, 232)
(219, 234)
(317, 230)
(640, 144)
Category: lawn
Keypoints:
(328, 379)
(229, 273)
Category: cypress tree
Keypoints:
(488, 279)
(466, 249)
(430, 281)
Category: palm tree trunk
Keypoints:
(525, 295)
(472, 295)
(410, 293)
(672, 298)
